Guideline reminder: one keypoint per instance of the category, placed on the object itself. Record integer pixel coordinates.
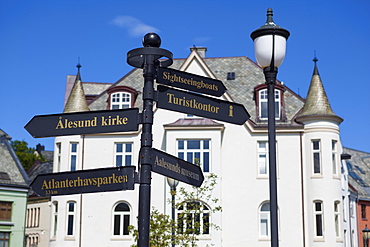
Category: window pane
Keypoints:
(73, 162)
(73, 147)
(115, 107)
(189, 157)
(316, 163)
(126, 223)
(116, 225)
(129, 147)
(206, 162)
(206, 223)
(197, 158)
(206, 144)
(193, 144)
(316, 145)
(127, 160)
(263, 109)
(119, 147)
(70, 225)
(181, 144)
(319, 225)
(118, 160)
(318, 206)
(122, 207)
(71, 207)
(181, 155)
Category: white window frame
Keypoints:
(205, 215)
(71, 219)
(59, 155)
(204, 161)
(337, 219)
(122, 217)
(120, 100)
(73, 156)
(262, 158)
(264, 220)
(54, 220)
(124, 152)
(334, 154)
(263, 100)
(316, 153)
(318, 213)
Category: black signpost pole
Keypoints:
(147, 58)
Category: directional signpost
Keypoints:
(85, 181)
(151, 59)
(191, 103)
(190, 81)
(82, 123)
(173, 167)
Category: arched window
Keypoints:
(319, 219)
(121, 219)
(121, 97)
(261, 102)
(71, 218)
(120, 100)
(264, 215)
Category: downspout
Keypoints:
(302, 190)
(82, 168)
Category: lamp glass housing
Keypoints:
(366, 233)
(263, 46)
(172, 182)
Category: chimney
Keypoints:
(201, 51)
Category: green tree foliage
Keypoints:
(195, 205)
(26, 155)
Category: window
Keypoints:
(71, 212)
(262, 158)
(123, 154)
(316, 156)
(4, 239)
(319, 221)
(195, 151)
(337, 218)
(73, 156)
(193, 218)
(59, 155)
(263, 108)
(363, 211)
(121, 219)
(5, 211)
(120, 100)
(334, 157)
(265, 220)
(230, 75)
(55, 219)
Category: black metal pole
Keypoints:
(147, 59)
(270, 76)
(173, 192)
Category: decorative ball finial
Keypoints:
(151, 40)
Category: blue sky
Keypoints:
(41, 41)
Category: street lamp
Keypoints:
(366, 235)
(173, 184)
(269, 46)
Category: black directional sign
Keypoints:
(173, 167)
(82, 123)
(195, 104)
(190, 82)
(85, 181)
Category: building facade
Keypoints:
(13, 195)
(309, 165)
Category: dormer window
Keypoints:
(121, 97)
(261, 102)
(120, 100)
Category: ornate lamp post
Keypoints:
(269, 46)
(366, 235)
(173, 184)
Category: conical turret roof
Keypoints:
(76, 101)
(317, 104)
